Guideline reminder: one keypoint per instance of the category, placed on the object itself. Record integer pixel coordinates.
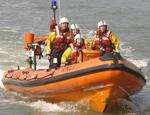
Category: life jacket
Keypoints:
(97, 39)
(62, 42)
(105, 42)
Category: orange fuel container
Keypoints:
(28, 39)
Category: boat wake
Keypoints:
(40, 106)
(138, 102)
(141, 63)
(59, 107)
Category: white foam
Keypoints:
(1, 76)
(46, 107)
(3, 52)
(17, 99)
(53, 107)
(140, 62)
(126, 50)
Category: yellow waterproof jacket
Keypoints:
(49, 41)
(115, 41)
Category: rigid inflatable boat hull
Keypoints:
(99, 85)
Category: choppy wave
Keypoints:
(42, 106)
(8, 29)
(139, 102)
(126, 50)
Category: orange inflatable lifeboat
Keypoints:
(98, 82)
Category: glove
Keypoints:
(116, 50)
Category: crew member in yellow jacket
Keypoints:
(105, 40)
(58, 41)
(71, 54)
(49, 41)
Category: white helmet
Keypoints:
(102, 23)
(63, 20)
(74, 26)
(78, 36)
